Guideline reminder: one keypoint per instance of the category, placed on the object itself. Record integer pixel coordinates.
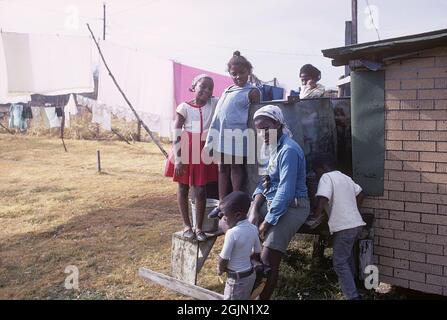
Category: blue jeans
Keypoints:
(343, 260)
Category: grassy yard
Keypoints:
(56, 211)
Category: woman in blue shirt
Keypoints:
(284, 188)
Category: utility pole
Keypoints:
(104, 21)
(351, 32)
(354, 33)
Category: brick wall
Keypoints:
(411, 216)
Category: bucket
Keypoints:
(209, 225)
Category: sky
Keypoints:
(277, 37)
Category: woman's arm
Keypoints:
(253, 214)
(285, 193)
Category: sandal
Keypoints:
(201, 236)
(188, 234)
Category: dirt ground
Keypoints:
(56, 210)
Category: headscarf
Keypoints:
(197, 79)
(274, 112)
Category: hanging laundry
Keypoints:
(70, 109)
(147, 81)
(294, 93)
(15, 117)
(102, 117)
(59, 112)
(270, 93)
(44, 117)
(36, 62)
(37, 118)
(106, 120)
(27, 113)
(5, 95)
(53, 120)
(278, 93)
(183, 76)
(154, 86)
(96, 114)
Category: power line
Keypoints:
(126, 31)
(138, 5)
(372, 19)
(58, 13)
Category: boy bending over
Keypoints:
(343, 197)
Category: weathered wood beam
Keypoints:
(179, 286)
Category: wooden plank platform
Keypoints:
(179, 286)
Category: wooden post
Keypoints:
(139, 131)
(104, 21)
(62, 129)
(98, 160)
(348, 41)
(163, 151)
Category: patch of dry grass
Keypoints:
(56, 210)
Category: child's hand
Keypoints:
(179, 169)
(219, 271)
(263, 228)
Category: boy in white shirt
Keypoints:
(343, 197)
(241, 243)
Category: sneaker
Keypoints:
(215, 213)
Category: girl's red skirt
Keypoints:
(195, 171)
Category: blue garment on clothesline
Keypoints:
(15, 117)
(269, 93)
(294, 93)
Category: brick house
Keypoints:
(399, 146)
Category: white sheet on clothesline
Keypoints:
(148, 83)
(5, 96)
(47, 64)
